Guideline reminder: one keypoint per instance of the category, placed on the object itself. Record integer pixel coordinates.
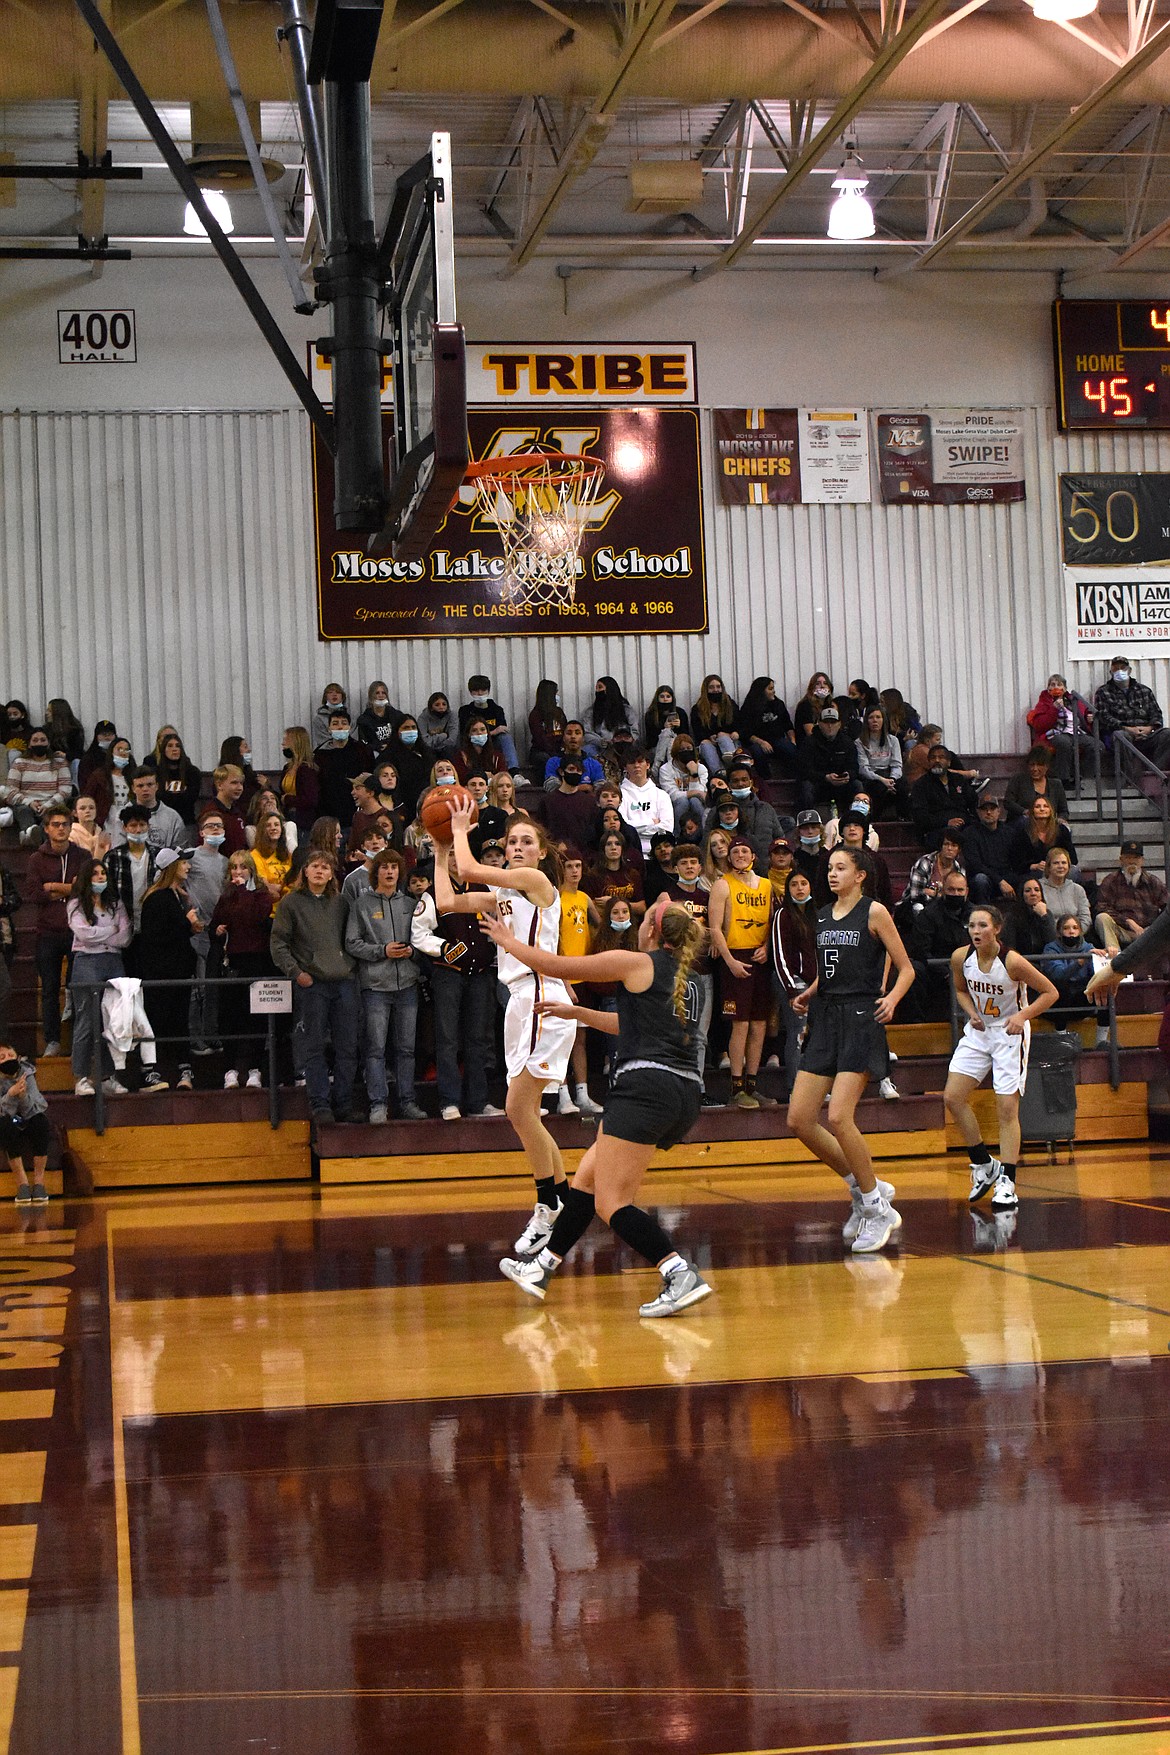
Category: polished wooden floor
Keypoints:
(295, 1470)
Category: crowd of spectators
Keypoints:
(322, 872)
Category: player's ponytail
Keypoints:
(683, 936)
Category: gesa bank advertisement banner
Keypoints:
(640, 569)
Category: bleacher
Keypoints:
(212, 1136)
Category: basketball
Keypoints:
(435, 809)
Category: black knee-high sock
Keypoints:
(546, 1191)
(572, 1222)
(642, 1233)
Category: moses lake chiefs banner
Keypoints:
(641, 566)
(950, 457)
(756, 456)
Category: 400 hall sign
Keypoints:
(641, 568)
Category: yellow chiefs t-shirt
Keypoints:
(751, 910)
(575, 935)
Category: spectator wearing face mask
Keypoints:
(104, 733)
(131, 870)
(766, 729)
(809, 841)
(816, 697)
(571, 812)
(339, 761)
(987, 855)
(826, 763)
(916, 762)
(573, 749)
(644, 805)
(206, 877)
(725, 816)
(939, 929)
(663, 710)
(940, 800)
(1070, 969)
(683, 778)
(1124, 704)
(1053, 720)
(38, 781)
(17, 726)
(495, 721)
(438, 728)
(332, 697)
(1128, 900)
(715, 723)
(378, 721)
(100, 930)
(166, 827)
(476, 752)
(412, 763)
(756, 820)
(609, 714)
(861, 805)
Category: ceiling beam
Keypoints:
(1040, 154)
(1078, 180)
(595, 124)
(875, 76)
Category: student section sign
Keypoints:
(641, 567)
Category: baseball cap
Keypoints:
(780, 841)
(661, 838)
(741, 841)
(853, 816)
(988, 798)
(1133, 847)
(805, 817)
(829, 713)
(168, 856)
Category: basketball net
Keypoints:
(541, 505)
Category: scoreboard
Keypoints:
(1112, 363)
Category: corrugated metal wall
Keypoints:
(158, 567)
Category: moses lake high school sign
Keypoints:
(641, 567)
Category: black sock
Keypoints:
(573, 1220)
(736, 1083)
(978, 1154)
(1009, 1170)
(642, 1233)
(749, 1084)
(546, 1191)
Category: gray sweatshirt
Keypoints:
(205, 882)
(308, 936)
(375, 922)
(21, 1108)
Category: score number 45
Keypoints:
(1088, 530)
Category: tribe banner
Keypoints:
(640, 571)
(1115, 520)
(950, 457)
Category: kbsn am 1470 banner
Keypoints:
(641, 567)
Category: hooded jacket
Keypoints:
(374, 922)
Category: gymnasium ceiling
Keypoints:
(990, 138)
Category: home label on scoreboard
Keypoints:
(1112, 363)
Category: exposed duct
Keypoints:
(488, 48)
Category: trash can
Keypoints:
(1048, 1104)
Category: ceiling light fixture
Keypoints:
(851, 216)
(194, 227)
(1062, 11)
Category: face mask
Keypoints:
(572, 776)
(799, 901)
(685, 755)
(213, 840)
(1066, 940)
(340, 735)
(621, 925)
(686, 883)
(741, 792)
(287, 754)
(9, 1068)
(104, 742)
(1121, 676)
(98, 886)
(479, 738)
(954, 904)
(810, 840)
(861, 806)
(136, 837)
(714, 694)
(121, 761)
(820, 692)
(731, 823)
(938, 770)
(381, 700)
(445, 780)
(40, 750)
(408, 736)
(247, 759)
(480, 700)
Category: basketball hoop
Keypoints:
(540, 503)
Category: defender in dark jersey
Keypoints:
(653, 1100)
(855, 940)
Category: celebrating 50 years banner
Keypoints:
(641, 567)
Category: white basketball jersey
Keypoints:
(532, 925)
(997, 997)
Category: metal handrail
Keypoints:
(1122, 742)
(94, 1000)
(1083, 734)
(958, 1017)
